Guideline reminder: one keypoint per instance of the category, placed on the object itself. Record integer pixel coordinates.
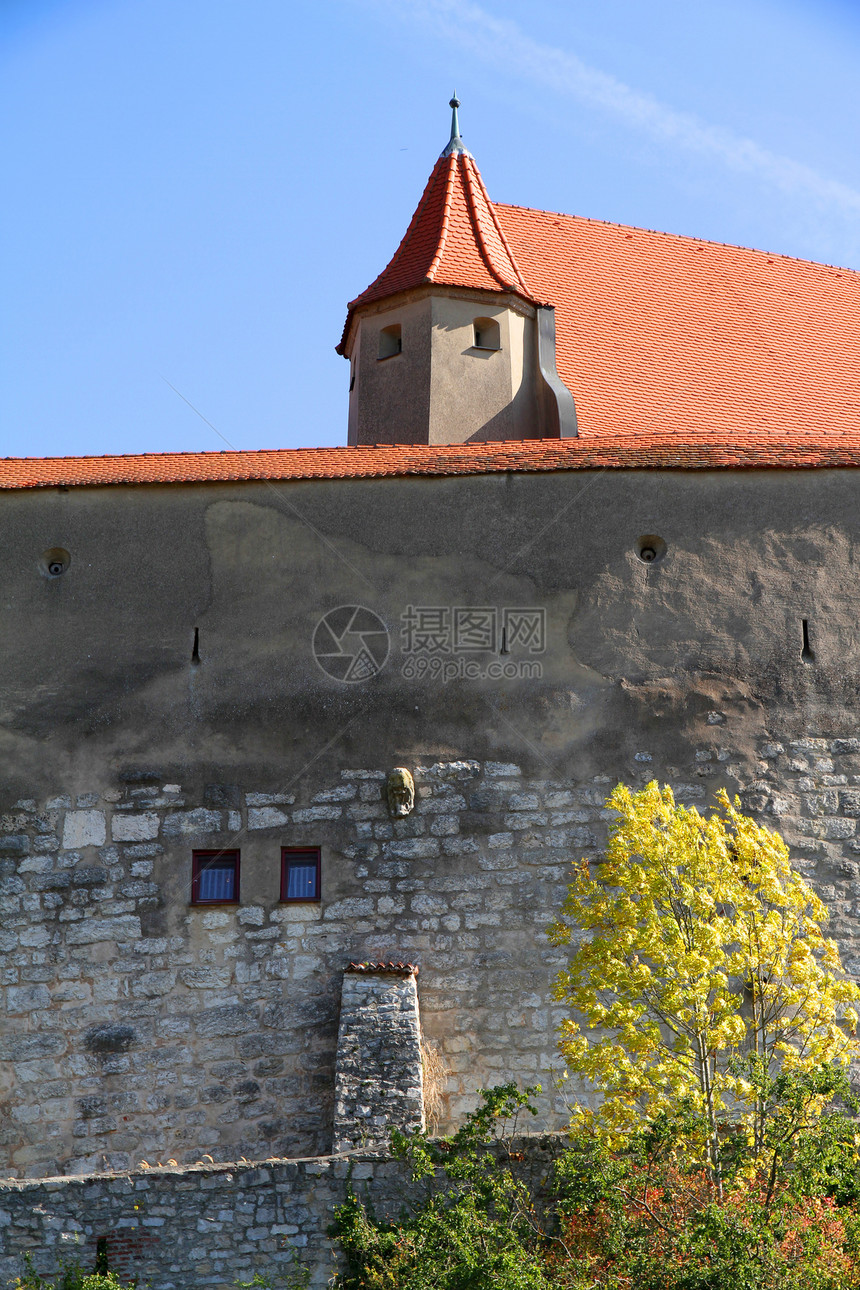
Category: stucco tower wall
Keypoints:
(442, 388)
(390, 400)
(481, 394)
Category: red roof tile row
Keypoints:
(390, 969)
(665, 451)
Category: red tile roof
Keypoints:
(657, 451)
(385, 969)
(681, 354)
(657, 332)
(454, 239)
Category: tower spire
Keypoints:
(455, 143)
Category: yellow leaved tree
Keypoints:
(697, 957)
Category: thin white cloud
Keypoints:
(505, 45)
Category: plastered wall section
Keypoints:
(481, 394)
(440, 388)
(219, 1036)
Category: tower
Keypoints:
(449, 344)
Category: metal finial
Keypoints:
(455, 143)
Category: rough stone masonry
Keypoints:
(213, 1226)
(140, 1028)
(378, 1075)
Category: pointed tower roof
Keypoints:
(454, 238)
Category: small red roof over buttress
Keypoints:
(454, 239)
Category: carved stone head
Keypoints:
(400, 791)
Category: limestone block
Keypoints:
(414, 848)
(36, 864)
(313, 813)
(134, 828)
(266, 817)
(523, 802)
(91, 930)
(190, 822)
(341, 793)
(17, 1047)
(353, 907)
(27, 998)
(427, 903)
(298, 913)
(84, 829)
(15, 844)
(232, 1019)
(269, 799)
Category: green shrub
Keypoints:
(477, 1229)
(641, 1217)
(72, 1277)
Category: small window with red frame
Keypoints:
(300, 873)
(215, 878)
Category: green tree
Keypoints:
(698, 971)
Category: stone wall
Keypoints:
(138, 1027)
(213, 1226)
(182, 1229)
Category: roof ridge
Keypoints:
(473, 180)
(446, 215)
(683, 237)
(505, 242)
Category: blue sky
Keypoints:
(193, 189)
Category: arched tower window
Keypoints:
(390, 341)
(487, 335)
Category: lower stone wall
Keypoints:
(175, 1229)
(209, 1226)
(137, 1027)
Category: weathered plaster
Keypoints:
(137, 1026)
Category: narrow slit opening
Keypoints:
(807, 653)
(195, 650)
(102, 1256)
